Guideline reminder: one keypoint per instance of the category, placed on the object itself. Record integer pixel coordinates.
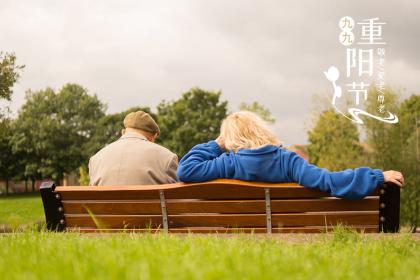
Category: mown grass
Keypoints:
(21, 209)
(344, 255)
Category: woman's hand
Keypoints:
(394, 177)
(221, 142)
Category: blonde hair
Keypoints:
(246, 130)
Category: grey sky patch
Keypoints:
(140, 52)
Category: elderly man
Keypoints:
(134, 159)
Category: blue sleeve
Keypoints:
(204, 162)
(350, 183)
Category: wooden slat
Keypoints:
(189, 192)
(220, 230)
(133, 207)
(220, 182)
(216, 189)
(112, 207)
(321, 205)
(259, 220)
(88, 193)
(224, 220)
(114, 221)
(242, 192)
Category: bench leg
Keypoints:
(53, 208)
(389, 208)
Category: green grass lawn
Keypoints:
(21, 209)
(343, 255)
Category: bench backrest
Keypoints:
(222, 206)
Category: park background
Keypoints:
(71, 71)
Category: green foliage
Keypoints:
(194, 118)
(334, 145)
(57, 132)
(134, 256)
(334, 142)
(9, 74)
(53, 130)
(259, 109)
(6, 155)
(396, 147)
(383, 138)
(409, 160)
(83, 175)
(8, 162)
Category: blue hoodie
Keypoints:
(270, 163)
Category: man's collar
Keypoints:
(132, 134)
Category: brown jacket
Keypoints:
(133, 160)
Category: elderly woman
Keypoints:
(247, 150)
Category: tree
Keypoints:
(9, 74)
(7, 163)
(194, 118)
(396, 147)
(53, 130)
(410, 159)
(382, 138)
(334, 142)
(259, 109)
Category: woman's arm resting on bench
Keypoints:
(394, 177)
(208, 161)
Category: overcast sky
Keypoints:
(136, 53)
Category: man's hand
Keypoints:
(221, 142)
(394, 177)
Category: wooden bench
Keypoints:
(223, 206)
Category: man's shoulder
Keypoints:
(163, 151)
(104, 149)
(144, 146)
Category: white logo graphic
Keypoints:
(361, 64)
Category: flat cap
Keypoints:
(141, 120)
